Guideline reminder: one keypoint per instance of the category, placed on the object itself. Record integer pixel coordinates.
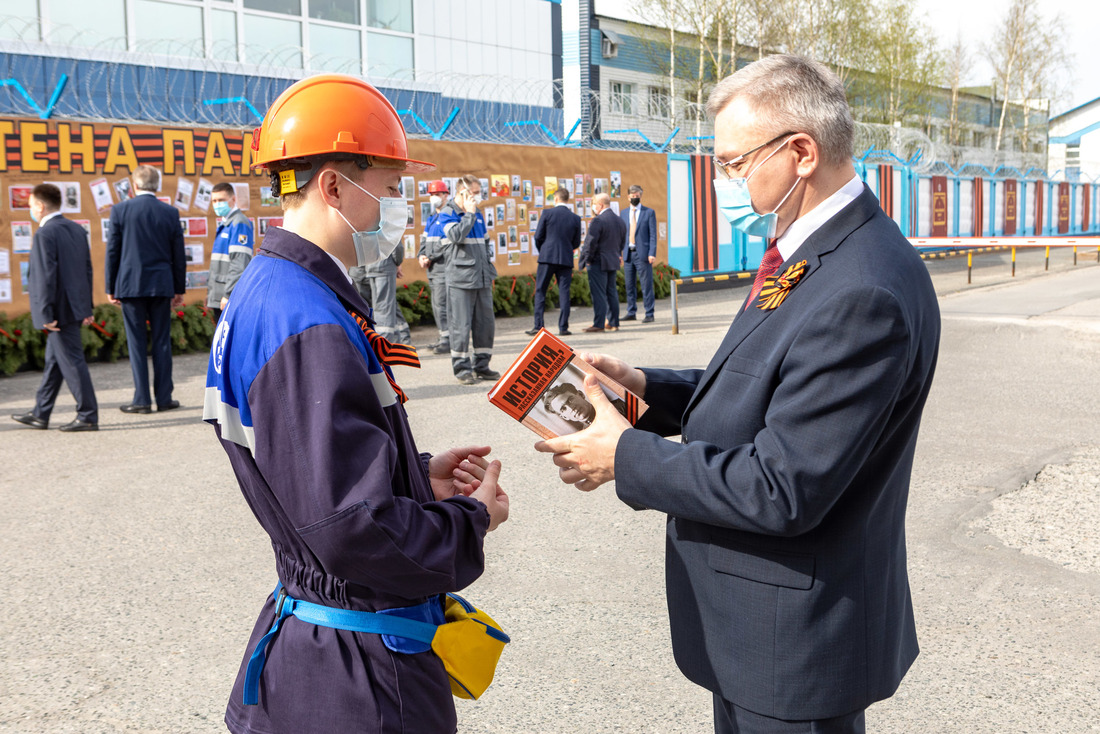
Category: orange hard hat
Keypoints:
(437, 187)
(332, 114)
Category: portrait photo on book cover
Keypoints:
(565, 408)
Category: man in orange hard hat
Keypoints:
(432, 260)
(302, 396)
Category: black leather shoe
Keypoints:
(467, 378)
(31, 421)
(629, 317)
(532, 332)
(487, 375)
(565, 332)
(647, 320)
(168, 406)
(444, 348)
(136, 408)
(79, 425)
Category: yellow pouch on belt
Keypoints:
(469, 644)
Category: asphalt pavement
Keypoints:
(133, 570)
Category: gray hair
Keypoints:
(635, 189)
(146, 178)
(793, 94)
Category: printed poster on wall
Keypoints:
(500, 186)
(5, 262)
(86, 225)
(21, 237)
(193, 254)
(184, 190)
(70, 196)
(101, 193)
(243, 194)
(203, 195)
(551, 185)
(19, 197)
(5, 290)
(616, 184)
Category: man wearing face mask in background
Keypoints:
(470, 275)
(232, 247)
(788, 593)
(639, 254)
(302, 396)
(431, 259)
(377, 284)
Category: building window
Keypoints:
(334, 49)
(273, 42)
(168, 29)
(622, 98)
(392, 15)
(390, 56)
(81, 23)
(223, 35)
(286, 7)
(658, 103)
(340, 11)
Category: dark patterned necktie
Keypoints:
(388, 353)
(768, 265)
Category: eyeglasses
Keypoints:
(725, 167)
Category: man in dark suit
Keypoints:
(639, 254)
(556, 237)
(60, 280)
(146, 273)
(788, 592)
(601, 253)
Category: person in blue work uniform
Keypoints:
(431, 258)
(302, 396)
(232, 248)
(470, 275)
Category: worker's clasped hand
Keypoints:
(586, 459)
(466, 471)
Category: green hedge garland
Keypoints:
(22, 346)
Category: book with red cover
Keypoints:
(544, 389)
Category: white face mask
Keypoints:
(370, 247)
(436, 200)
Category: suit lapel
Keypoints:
(821, 242)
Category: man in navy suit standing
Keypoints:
(788, 593)
(60, 280)
(146, 275)
(639, 254)
(556, 237)
(601, 254)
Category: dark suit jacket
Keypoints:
(145, 250)
(60, 273)
(602, 243)
(787, 584)
(645, 236)
(558, 234)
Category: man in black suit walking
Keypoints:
(602, 253)
(60, 278)
(146, 276)
(556, 237)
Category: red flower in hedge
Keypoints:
(17, 332)
(180, 314)
(103, 322)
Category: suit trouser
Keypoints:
(65, 362)
(729, 718)
(381, 293)
(438, 283)
(637, 267)
(605, 296)
(470, 313)
(564, 276)
(157, 310)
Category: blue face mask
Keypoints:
(735, 202)
(221, 208)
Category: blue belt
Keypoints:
(405, 633)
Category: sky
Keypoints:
(977, 20)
